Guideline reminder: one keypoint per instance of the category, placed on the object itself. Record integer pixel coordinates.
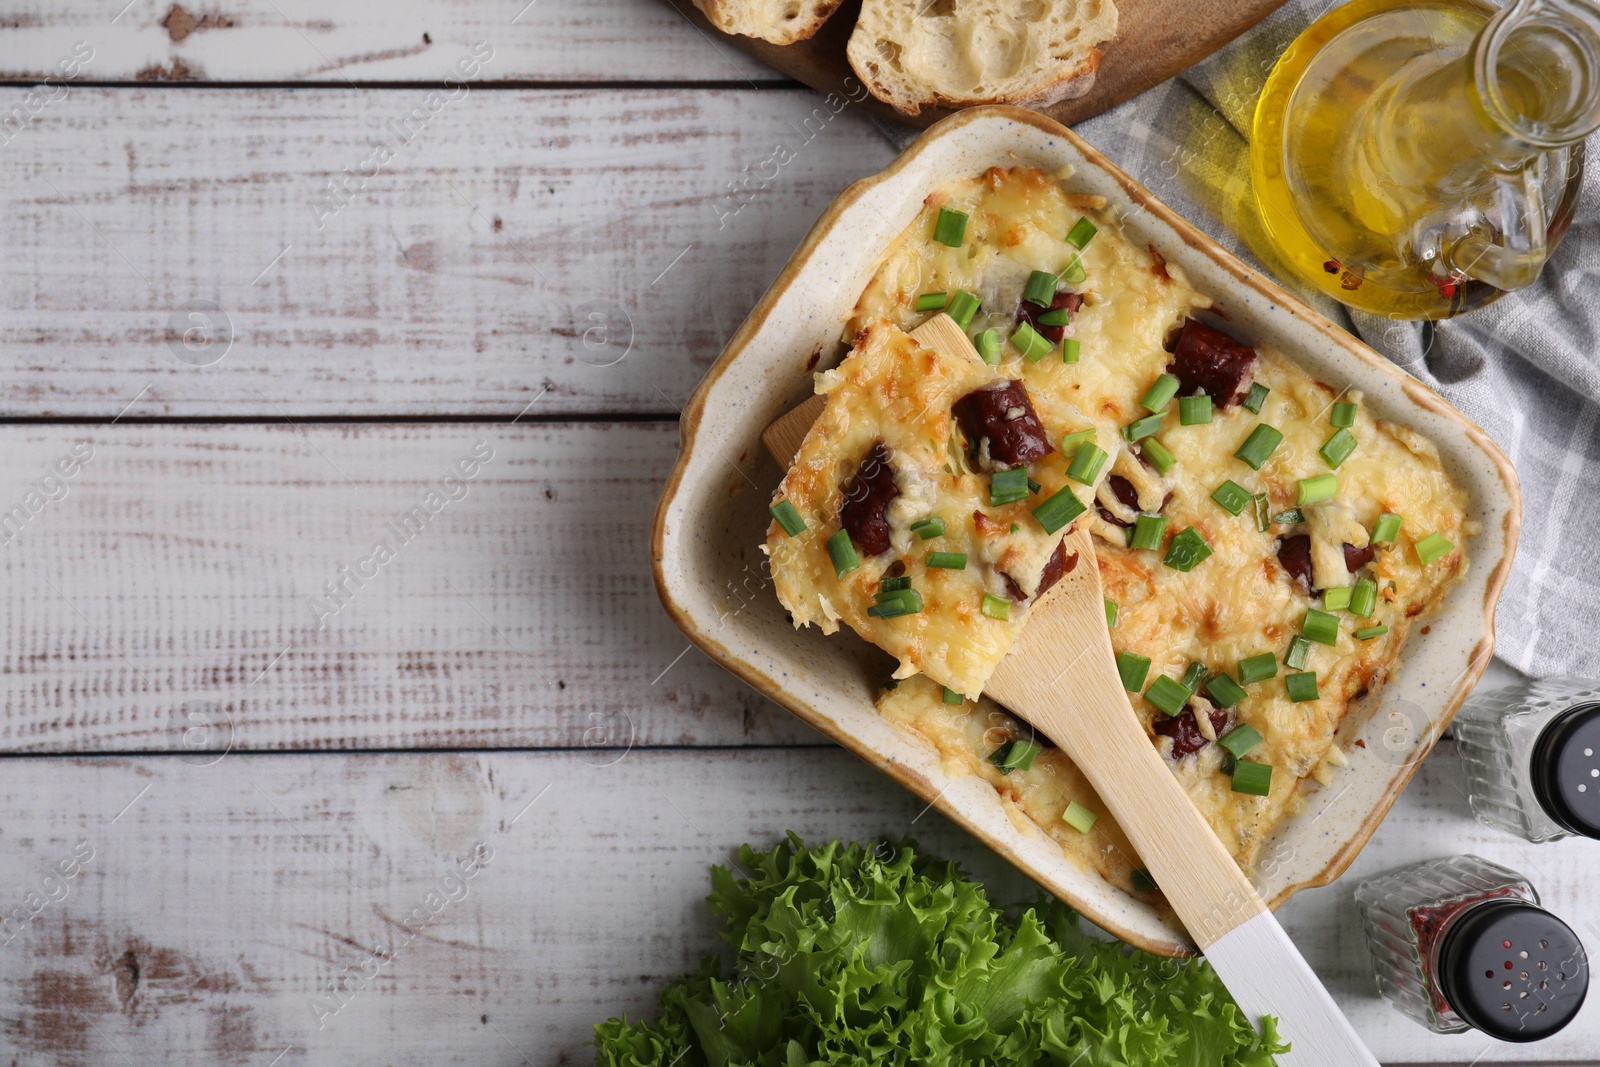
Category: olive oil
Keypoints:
(1402, 159)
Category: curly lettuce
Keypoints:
(850, 954)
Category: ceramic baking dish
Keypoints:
(712, 518)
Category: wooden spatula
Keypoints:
(1061, 676)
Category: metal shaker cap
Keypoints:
(1513, 970)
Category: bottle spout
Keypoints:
(1537, 69)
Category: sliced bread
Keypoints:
(914, 54)
(778, 21)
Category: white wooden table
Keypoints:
(240, 347)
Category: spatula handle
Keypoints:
(1061, 675)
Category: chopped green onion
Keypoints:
(1187, 550)
(1074, 272)
(1343, 414)
(1256, 397)
(931, 301)
(1194, 410)
(988, 345)
(1147, 531)
(787, 518)
(951, 696)
(1133, 669)
(1301, 687)
(1070, 443)
(1030, 343)
(948, 561)
(1251, 778)
(1160, 394)
(928, 528)
(1299, 651)
(1168, 695)
(1008, 487)
(1079, 817)
(1015, 527)
(1387, 529)
(1228, 763)
(1371, 631)
(1041, 288)
(1087, 463)
(1311, 490)
(1258, 668)
(1191, 677)
(1111, 614)
(1337, 599)
(1157, 455)
(1231, 496)
(1033, 486)
(1139, 429)
(1141, 880)
(1014, 756)
(1081, 233)
(1224, 690)
(1056, 317)
(843, 554)
(1241, 739)
(893, 605)
(996, 607)
(1263, 520)
(1432, 547)
(962, 307)
(1059, 509)
(1290, 517)
(1336, 449)
(950, 228)
(1320, 627)
(1259, 445)
(1365, 598)
(1069, 350)
(890, 585)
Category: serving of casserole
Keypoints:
(1278, 514)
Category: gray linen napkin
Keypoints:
(1526, 368)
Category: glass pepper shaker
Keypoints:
(1532, 757)
(1462, 943)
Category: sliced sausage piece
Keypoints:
(1294, 554)
(1210, 360)
(1185, 732)
(1126, 493)
(1028, 311)
(865, 511)
(1003, 431)
(1058, 566)
(1356, 558)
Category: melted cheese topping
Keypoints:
(1237, 603)
(893, 390)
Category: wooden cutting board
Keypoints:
(1155, 40)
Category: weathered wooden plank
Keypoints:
(399, 40)
(250, 252)
(208, 584)
(279, 876)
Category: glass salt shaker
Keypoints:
(1532, 757)
(1462, 943)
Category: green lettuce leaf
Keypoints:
(851, 954)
